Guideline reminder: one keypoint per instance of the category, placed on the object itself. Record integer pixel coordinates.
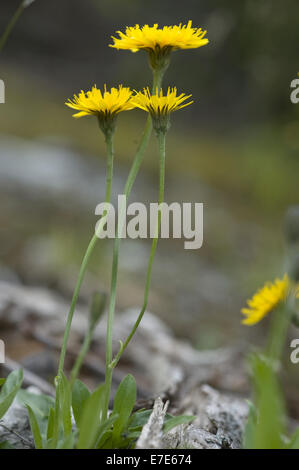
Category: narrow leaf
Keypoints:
(68, 442)
(50, 428)
(90, 419)
(80, 394)
(9, 390)
(41, 405)
(64, 390)
(139, 419)
(294, 442)
(174, 421)
(6, 445)
(35, 428)
(104, 431)
(124, 402)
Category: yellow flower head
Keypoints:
(106, 104)
(153, 37)
(265, 300)
(159, 104)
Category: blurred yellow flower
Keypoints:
(159, 104)
(168, 37)
(105, 105)
(265, 300)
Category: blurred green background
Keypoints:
(236, 150)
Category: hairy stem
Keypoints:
(161, 141)
(90, 248)
(278, 332)
(157, 80)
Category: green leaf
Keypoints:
(294, 442)
(6, 445)
(139, 419)
(173, 421)
(80, 394)
(56, 420)
(132, 436)
(49, 444)
(41, 405)
(105, 431)
(67, 443)
(50, 427)
(248, 437)
(90, 419)
(60, 425)
(269, 427)
(124, 402)
(9, 390)
(2, 381)
(65, 400)
(35, 428)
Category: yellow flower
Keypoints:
(159, 104)
(265, 300)
(104, 105)
(152, 38)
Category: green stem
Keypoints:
(81, 355)
(278, 332)
(128, 187)
(96, 311)
(90, 248)
(157, 80)
(11, 24)
(161, 142)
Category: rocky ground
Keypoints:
(170, 373)
(47, 215)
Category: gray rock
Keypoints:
(221, 427)
(163, 365)
(15, 427)
(151, 435)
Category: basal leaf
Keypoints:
(80, 394)
(124, 402)
(50, 428)
(248, 437)
(270, 424)
(65, 399)
(173, 421)
(41, 405)
(67, 443)
(139, 419)
(35, 428)
(6, 445)
(105, 431)
(294, 442)
(90, 419)
(9, 390)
